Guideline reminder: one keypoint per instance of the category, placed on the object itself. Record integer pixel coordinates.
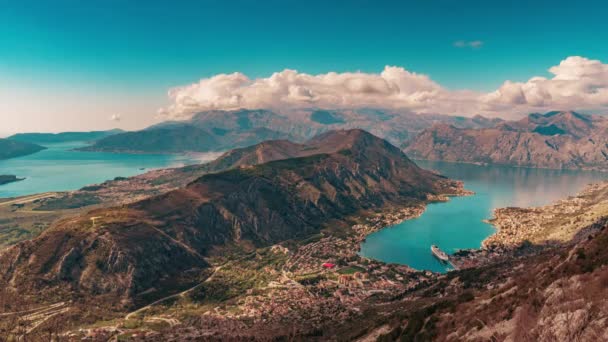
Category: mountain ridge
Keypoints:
(556, 140)
(44, 138)
(223, 130)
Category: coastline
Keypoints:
(486, 164)
(521, 231)
(557, 222)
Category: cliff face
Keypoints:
(557, 140)
(161, 242)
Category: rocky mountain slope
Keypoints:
(557, 140)
(224, 130)
(139, 251)
(12, 149)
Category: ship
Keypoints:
(439, 254)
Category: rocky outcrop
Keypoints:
(556, 140)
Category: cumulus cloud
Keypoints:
(394, 87)
(474, 44)
(115, 117)
(578, 83)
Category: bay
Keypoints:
(60, 168)
(458, 224)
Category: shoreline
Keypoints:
(545, 224)
(395, 216)
(532, 229)
(485, 164)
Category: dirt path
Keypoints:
(180, 294)
(27, 199)
(33, 318)
(185, 292)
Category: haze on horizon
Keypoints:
(67, 65)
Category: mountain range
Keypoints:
(556, 140)
(225, 130)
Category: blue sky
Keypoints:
(123, 56)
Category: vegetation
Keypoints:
(350, 270)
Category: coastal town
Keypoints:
(316, 279)
(323, 277)
(554, 223)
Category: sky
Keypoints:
(87, 65)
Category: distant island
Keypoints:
(11, 149)
(46, 138)
(5, 179)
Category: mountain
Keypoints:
(394, 126)
(46, 138)
(208, 131)
(556, 140)
(159, 245)
(12, 149)
(225, 130)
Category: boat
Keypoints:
(439, 254)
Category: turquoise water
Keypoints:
(459, 223)
(59, 168)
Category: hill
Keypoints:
(556, 140)
(12, 149)
(46, 138)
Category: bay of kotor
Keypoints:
(459, 223)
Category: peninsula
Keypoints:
(5, 179)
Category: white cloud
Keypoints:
(474, 44)
(578, 83)
(115, 117)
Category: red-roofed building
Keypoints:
(328, 265)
